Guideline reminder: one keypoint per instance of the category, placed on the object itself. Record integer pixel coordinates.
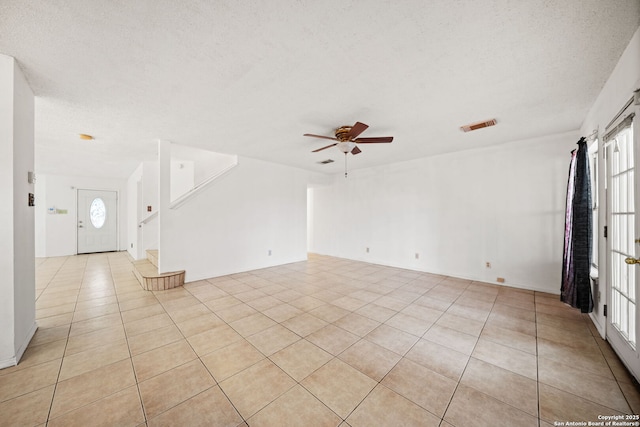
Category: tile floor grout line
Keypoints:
(320, 367)
(126, 337)
(55, 387)
(310, 373)
(535, 318)
(199, 357)
(269, 358)
(49, 282)
(593, 373)
(499, 400)
(606, 359)
(446, 409)
(299, 383)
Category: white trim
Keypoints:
(602, 330)
(444, 274)
(191, 193)
(13, 361)
(25, 343)
(148, 218)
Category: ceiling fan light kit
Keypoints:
(347, 137)
(346, 146)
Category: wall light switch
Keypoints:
(148, 208)
(32, 199)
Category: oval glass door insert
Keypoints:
(97, 212)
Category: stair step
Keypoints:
(150, 280)
(152, 256)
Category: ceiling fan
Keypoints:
(347, 137)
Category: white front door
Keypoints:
(624, 246)
(97, 221)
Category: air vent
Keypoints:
(326, 162)
(479, 125)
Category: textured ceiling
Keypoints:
(250, 77)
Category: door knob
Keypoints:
(632, 260)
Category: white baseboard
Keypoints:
(7, 363)
(601, 329)
(13, 361)
(26, 341)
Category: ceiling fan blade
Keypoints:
(357, 129)
(324, 148)
(356, 150)
(373, 140)
(320, 136)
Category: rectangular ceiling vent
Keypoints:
(479, 125)
(326, 162)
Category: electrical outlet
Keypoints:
(500, 280)
(269, 252)
(132, 246)
(417, 255)
(367, 250)
(488, 264)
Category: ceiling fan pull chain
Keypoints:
(345, 165)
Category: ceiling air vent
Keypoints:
(326, 162)
(479, 125)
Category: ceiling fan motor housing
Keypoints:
(342, 133)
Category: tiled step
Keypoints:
(151, 280)
(152, 256)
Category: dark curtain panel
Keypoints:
(576, 266)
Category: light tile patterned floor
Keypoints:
(325, 342)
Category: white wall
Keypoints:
(17, 252)
(23, 221)
(7, 349)
(142, 192)
(40, 189)
(133, 213)
(205, 163)
(60, 230)
(624, 80)
(232, 224)
(150, 198)
(503, 205)
(182, 177)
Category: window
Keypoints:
(97, 212)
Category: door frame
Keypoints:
(627, 354)
(77, 192)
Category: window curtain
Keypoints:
(576, 266)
